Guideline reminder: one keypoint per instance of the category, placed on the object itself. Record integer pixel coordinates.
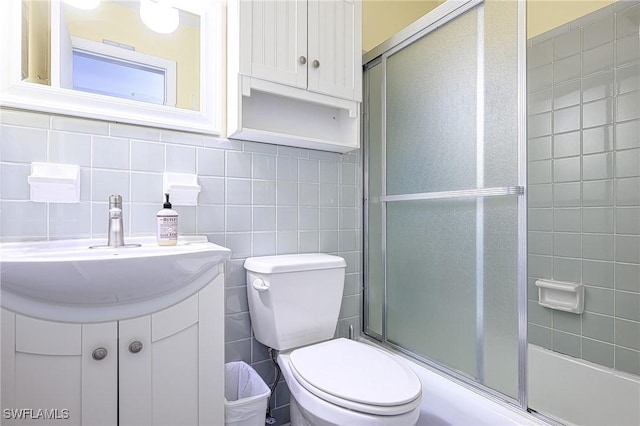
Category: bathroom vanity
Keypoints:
(161, 367)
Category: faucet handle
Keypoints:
(115, 201)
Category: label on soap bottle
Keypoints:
(167, 228)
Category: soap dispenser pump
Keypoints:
(167, 230)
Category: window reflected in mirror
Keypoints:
(117, 49)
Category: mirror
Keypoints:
(117, 60)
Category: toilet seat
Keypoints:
(356, 376)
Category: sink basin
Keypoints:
(67, 281)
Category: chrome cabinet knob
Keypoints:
(135, 347)
(99, 354)
(316, 63)
(303, 60)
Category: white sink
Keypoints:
(67, 281)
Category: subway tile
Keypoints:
(627, 248)
(597, 193)
(539, 148)
(210, 162)
(238, 191)
(287, 218)
(598, 33)
(240, 350)
(597, 139)
(348, 195)
(539, 315)
(628, 306)
(70, 148)
(597, 273)
(235, 274)
(628, 106)
(599, 14)
(264, 192)
(566, 120)
(188, 219)
(131, 131)
(308, 241)
(540, 195)
(24, 118)
(348, 218)
(628, 360)
(567, 269)
(328, 241)
(566, 169)
(566, 220)
(23, 145)
(540, 243)
(566, 321)
(567, 244)
(597, 166)
(627, 220)
(328, 218)
(597, 59)
(259, 352)
(568, 344)
(264, 167)
(329, 195)
(287, 169)
(238, 164)
(182, 138)
(147, 156)
(143, 219)
(264, 243)
(627, 50)
(348, 174)
(597, 113)
(628, 192)
(539, 102)
(566, 69)
(239, 244)
(539, 172)
(80, 125)
(541, 336)
(539, 125)
(308, 194)
(288, 151)
(212, 190)
(597, 327)
(108, 182)
(540, 54)
(348, 240)
(627, 334)
(259, 148)
(567, 94)
(597, 246)
(566, 144)
(308, 218)
(237, 326)
(599, 300)
(329, 172)
(566, 194)
(628, 78)
(211, 219)
(597, 220)
(236, 300)
(567, 44)
(540, 78)
(627, 21)
(597, 86)
(180, 159)
(598, 352)
(627, 277)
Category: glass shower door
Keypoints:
(444, 196)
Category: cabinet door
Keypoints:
(274, 40)
(54, 374)
(335, 48)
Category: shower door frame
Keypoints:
(440, 16)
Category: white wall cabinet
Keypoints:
(295, 72)
(166, 368)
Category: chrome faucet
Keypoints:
(116, 230)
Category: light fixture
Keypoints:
(83, 4)
(159, 16)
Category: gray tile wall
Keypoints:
(256, 199)
(584, 183)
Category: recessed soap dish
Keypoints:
(560, 295)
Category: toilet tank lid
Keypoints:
(293, 263)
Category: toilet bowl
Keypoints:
(294, 302)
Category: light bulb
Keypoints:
(159, 17)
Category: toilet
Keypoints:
(294, 303)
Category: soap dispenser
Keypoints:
(167, 230)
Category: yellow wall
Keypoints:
(122, 24)
(544, 15)
(383, 18)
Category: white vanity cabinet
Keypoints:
(163, 368)
(295, 72)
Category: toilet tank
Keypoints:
(294, 300)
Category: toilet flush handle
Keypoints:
(260, 285)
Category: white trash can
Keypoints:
(246, 395)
